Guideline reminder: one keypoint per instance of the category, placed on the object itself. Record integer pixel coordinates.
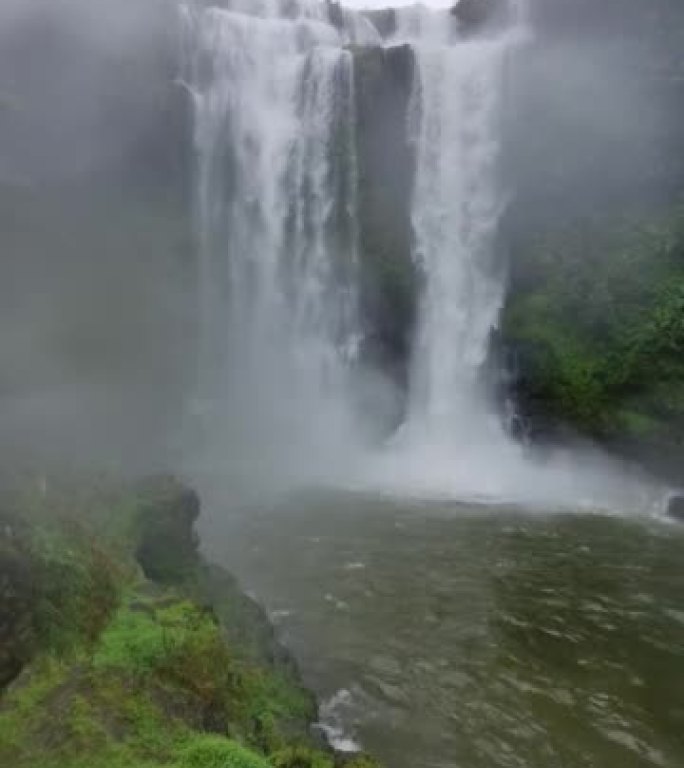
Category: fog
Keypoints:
(592, 121)
(99, 300)
(95, 248)
(376, 4)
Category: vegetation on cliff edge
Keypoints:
(596, 320)
(106, 666)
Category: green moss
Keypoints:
(301, 757)
(217, 752)
(24, 707)
(129, 672)
(64, 720)
(166, 542)
(78, 586)
(134, 642)
(638, 424)
(60, 588)
(279, 706)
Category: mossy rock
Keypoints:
(167, 541)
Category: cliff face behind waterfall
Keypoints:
(98, 311)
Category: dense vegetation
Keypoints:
(596, 319)
(126, 649)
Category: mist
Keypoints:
(341, 383)
(110, 272)
(97, 273)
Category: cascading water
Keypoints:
(274, 111)
(452, 430)
(457, 204)
(275, 141)
(453, 441)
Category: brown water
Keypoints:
(461, 637)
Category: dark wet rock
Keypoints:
(167, 540)
(384, 81)
(474, 14)
(675, 508)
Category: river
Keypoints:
(448, 636)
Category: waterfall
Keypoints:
(457, 205)
(453, 442)
(277, 222)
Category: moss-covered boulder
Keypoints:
(166, 539)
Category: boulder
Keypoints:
(167, 540)
(474, 14)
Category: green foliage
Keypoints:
(179, 645)
(596, 315)
(216, 752)
(301, 757)
(135, 641)
(132, 673)
(160, 669)
(78, 585)
(24, 707)
(278, 705)
(59, 589)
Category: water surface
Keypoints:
(444, 636)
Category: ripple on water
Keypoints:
(483, 641)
